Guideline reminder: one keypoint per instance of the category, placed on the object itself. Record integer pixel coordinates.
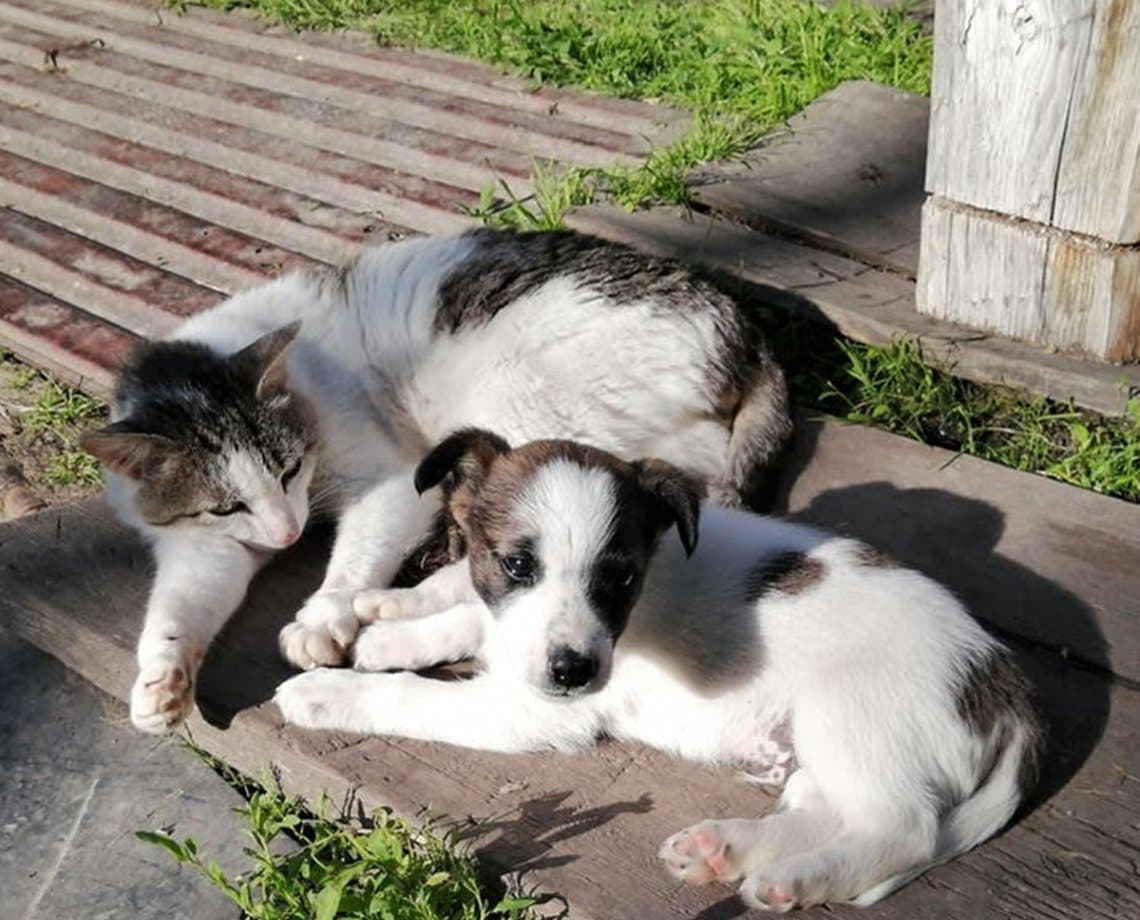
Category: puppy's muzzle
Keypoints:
(569, 670)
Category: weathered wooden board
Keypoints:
(1034, 169)
(847, 175)
(863, 304)
(1034, 112)
(587, 827)
(1029, 282)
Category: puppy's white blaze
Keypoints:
(572, 509)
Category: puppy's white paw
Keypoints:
(388, 604)
(321, 634)
(163, 694)
(379, 647)
(322, 698)
(699, 855)
(766, 892)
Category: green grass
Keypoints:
(304, 864)
(740, 66)
(894, 388)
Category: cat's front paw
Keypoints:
(163, 695)
(322, 633)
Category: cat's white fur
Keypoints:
(862, 665)
(557, 362)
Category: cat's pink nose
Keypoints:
(288, 534)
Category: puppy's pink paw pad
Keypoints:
(769, 895)
(697, 856)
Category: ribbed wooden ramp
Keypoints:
(152, 162)
(1039, 560)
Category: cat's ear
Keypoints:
(674, 497)
(130, 453)
(268, 356)
(465, 455)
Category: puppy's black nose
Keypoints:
(570, 670)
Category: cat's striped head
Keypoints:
(211, 441)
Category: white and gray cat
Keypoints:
(324, 389)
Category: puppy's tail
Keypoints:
(761, 433)
(996, 800)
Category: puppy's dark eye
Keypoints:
(616, 577)
(227, 510)
(519, 567)
(291, 473)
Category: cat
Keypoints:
(323, 389)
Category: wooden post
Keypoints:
(1032, 224)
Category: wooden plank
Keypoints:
(467, 165)
(846, 175)
(587, 827)
(488, 125)
(81, 351)
(861, 303)
(1029, 282)
(233, 203)
(1034, 168)
(325, 178)
(480, 84)
(1051, 89)
(206, 253)
(1098, 178)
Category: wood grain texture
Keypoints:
(847, 174)
(1029, 282)
(586, 827)
(863, 304)
(1034, 112)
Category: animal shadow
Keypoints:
(520, 842)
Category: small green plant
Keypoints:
(59, 407)
(73, 468)
(307, 865)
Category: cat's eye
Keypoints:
(519, 567)
(227, 510)
(290, 474)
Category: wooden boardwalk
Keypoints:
(150, 164)
(1051, 566)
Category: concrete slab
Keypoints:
(76, 782)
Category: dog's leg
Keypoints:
(860, 866)
(449, 586)
(484, 712)
(729, 850)
(453, 635)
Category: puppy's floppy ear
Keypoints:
(124, 450)
(466, 454)
(267, 357)
(675, 497)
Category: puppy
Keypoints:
(903, 733)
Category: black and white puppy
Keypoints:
(905, 733)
